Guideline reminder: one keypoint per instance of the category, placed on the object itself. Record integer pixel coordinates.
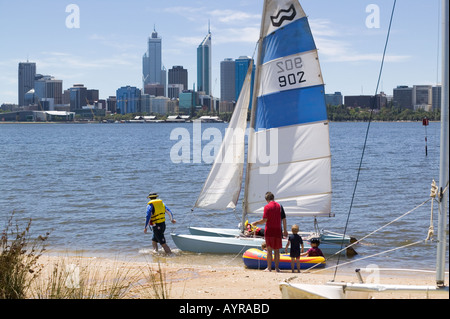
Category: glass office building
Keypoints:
(27, 73)
(128, 100)
(204, 65)
(152, 61)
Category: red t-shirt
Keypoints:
(272, 212)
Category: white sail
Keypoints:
(289, 154)
(223, 185)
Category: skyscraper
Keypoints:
(27, 73)
(204, 65)
(242, 65)
(78, 97)
(179, 75)
(152, 61)
(128, 99)
(228, 80)
(47, 87)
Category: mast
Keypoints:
(251, 134)
(444, 172)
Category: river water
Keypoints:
(87, 184)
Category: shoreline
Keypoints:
(196, 282)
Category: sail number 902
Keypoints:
(294, 76)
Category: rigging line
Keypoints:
(374, 255)
(384, 226)
(368, 127)
(377, 230)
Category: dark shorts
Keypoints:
(294, 253)
(158, 233)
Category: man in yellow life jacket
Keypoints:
(156, 217)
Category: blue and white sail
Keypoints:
(289, 152)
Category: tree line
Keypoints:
(341, 113)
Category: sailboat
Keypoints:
(359, 290)
(288, 121)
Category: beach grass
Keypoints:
(19, 254)
(23, 274)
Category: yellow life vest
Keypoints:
(159, 211)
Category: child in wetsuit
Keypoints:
(296, 243)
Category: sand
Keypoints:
(182, 281)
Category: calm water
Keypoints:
(87, 184)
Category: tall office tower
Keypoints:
(78, 97)
(27, 73)
(228, 80)
(178, 75)
(152, 61)
(47, 87)
(437, 97)
(92, 96)
(128, 99)
(403, 97)
(204, 65)
(242, 65)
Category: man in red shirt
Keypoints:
(272, 232)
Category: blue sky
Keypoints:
(105, 52)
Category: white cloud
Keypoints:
(233, 16)
(190, 13)
(331, 40)
(236, 35)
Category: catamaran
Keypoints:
(288, 115)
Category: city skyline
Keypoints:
(106, 53)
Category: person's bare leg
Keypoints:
(269, 258)
(166, 248)
(277, 260)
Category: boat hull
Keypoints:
(214, 244)
(233, 245)
(232, 232)
(342, 290)
(257, 259)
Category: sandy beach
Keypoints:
(195, 282)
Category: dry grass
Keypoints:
(22, 275)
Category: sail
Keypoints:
(289, 152)
(223, 185)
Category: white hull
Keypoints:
(351, 290)
(325, 237)
(232, 245)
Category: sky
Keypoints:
(105, 50)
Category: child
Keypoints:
(253, 231)
(314, 250)
(295, 240)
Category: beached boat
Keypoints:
(257, 259)
(288, 140)
(234, 245)
(324, 236)
(346, 290)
